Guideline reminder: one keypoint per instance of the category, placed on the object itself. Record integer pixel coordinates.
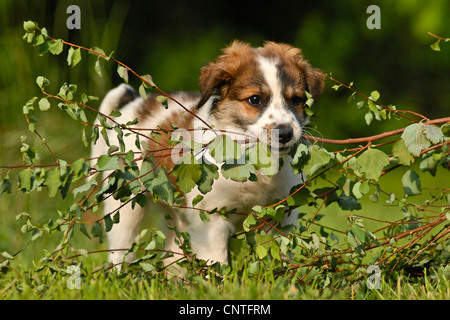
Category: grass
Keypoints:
(130, 286)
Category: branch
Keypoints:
(375, 137)
(439, 38)
(399, 112)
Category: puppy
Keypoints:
(260, 92)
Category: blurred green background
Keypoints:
(172, 40)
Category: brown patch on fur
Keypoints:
(296, 67)
(160, 147)
(148, 108)
(237, 63)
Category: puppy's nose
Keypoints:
(285, 132)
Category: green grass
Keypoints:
(265, 286)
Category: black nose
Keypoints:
(285, 133)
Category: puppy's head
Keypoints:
(261, 90)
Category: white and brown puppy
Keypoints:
(254, 90)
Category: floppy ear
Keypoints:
(216, 76)
(212, 79)
(315, 81)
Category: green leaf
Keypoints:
(73, 57)
(315, 241)
(55, 47)
(96, 51)
(368, 117)
(238, 172)
(348, 203)
(149, 79)
(53, 181)
(106, 162)
(373, 107)
(163, 100)
(359, 233)
(142, 91)
(7, 255)
(116, 217)
(187, 175)
(42, 82)
(84, 188)
(433, 133)
(411, 183)
(141, 200)
(26, 180)
(108, 222)
(400, 151)
(29, 26)
(36, 234)
(5, 186)
(162, 187)
(84, 231)
(44, 105)
(360, 188)
(196, 200)
(147, 174)
(98, 68)
(204, 216)
(375, 95)
(210, 173)
(415, 139)
(336, 87)
(435, 46)
(97, 231)
(429, 163)
(261, 157)
(123, 73)
(372, 162)
(300, 158)
(300, 197)
(249, 222)
(319, 157)
(147, 267)
(261, 251)
(224, 149)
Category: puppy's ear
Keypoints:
(212, 79)
(216, 77)
(315, 81)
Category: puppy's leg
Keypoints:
(290, 218)
(209, 240)
(123, 234)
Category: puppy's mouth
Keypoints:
(282, 148)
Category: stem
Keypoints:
(437, 37)
(399, 112)
(375, 137)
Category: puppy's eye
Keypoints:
(254, 100)
(296, 100)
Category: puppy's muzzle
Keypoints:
(285, 133)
